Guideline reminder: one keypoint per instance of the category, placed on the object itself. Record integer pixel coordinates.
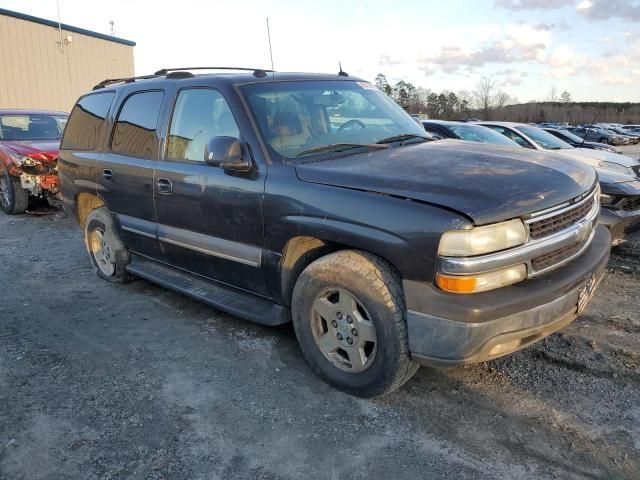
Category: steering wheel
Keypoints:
(350, 124)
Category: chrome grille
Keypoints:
(556, 223)
(550, 259)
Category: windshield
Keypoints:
(298, 119)
(476, 133)
(32, 126)
(544, 139)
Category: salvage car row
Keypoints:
(316, 199)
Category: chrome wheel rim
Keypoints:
(4, 191)
(343, 330)
(102, 252)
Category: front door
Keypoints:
(209, 220)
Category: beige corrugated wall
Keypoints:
(36, 73)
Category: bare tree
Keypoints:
(552, 95)
(484, 95)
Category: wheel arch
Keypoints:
(301, 251)
(85, 204)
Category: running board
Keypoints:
(236, 302)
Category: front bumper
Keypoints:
(447, 329)
(619, 222)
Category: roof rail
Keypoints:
(111, 81)
(258, 72)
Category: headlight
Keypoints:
(480, 240)
(19, 159)
(616, 167)
(483, 281)
(606, 199)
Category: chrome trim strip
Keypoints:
(525, 253)
(557, 211)
(139, 232)
(217, 247)
(209, 252)
(214, 246)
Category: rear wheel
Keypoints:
(14, 199)
(108, 254)
(604, 140)
(348, 315)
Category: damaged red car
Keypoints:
(29, 143)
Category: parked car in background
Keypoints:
(631, 127)
(286, 197)
(29, 142)
(618, 174)
(577, 142)
(625, 133)
(598, 135)
(440, 129)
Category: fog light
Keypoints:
(505, 347)
(483, 281)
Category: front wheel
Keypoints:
(14, 199)
(108, 254)
(348, 315)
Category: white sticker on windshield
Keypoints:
(367, 85)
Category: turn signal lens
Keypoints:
(479, 240)
(481, 282)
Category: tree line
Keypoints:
(488, 102)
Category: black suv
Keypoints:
(317, 199)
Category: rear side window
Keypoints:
(87, 121)
(135, 131)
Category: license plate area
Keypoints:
(585, 292)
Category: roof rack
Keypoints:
(178, 73)
(258, 72)
(112, 81)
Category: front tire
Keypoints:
(14, 200)
(108, 254)
(348, 315)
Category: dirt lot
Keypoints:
(102, 381)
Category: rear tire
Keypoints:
(14, 199)
(108, 254)
(349, 317)
(604, 140)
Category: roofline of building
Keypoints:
(64, 26)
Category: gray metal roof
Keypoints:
(64, 26)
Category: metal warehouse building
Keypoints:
(44, 64)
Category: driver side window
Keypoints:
(199, 114)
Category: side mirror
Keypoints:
(226, 153)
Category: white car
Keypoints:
(619, 174)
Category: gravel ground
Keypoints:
(104, 381)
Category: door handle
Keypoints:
(107, 175)
(164, 186)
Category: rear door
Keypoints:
(209, 220)
(126, 170)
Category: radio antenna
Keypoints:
(270, 49)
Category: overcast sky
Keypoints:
(590, 48)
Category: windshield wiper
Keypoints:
(404, 136)
(338, 147)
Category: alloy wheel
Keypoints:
(102, 252)
(343, 330)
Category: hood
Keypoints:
(487, 183)
(44, 150)
(606, 156)
(595, 159)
